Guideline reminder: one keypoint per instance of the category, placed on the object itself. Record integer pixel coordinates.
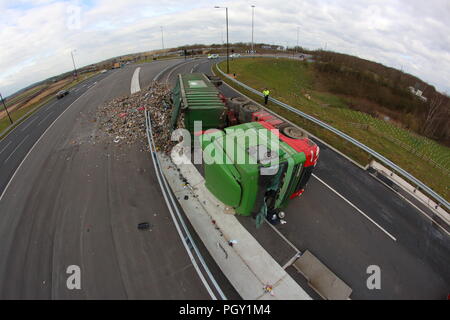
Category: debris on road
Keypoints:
(143, 226)
(123, 118)
(269, 289)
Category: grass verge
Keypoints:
(289, 81)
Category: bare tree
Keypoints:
(438, 108)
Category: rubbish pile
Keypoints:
(123, 118)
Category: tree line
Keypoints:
(388, 88)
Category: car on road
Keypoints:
(103, 71)
(235, 55)
(213, 56)
(62, 94)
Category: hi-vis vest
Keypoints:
(266, 92)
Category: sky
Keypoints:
(37, 37)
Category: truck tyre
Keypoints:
(215, 80)
(293, 132)
(234, 104)
(245, 114)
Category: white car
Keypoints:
(213, 56)
(235, 55)
(103, 71)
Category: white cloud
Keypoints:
(37, 36)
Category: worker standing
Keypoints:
(266, 93)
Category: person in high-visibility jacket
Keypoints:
(266, 93)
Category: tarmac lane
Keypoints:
(76, 200)
(350, 220)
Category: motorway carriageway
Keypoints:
(350, 220)
(20, 140)
(77, 200)
(346, 218)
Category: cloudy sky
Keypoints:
(38, 36)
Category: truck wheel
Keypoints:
(293, 132)
(245, 114)
(215, 80)
(234, 104)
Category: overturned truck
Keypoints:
(252, 160)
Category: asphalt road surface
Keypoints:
(350, 221)
(19, 141)
(75, 201)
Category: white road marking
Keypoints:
(176, 67)
(49, 106)
(283, 237)
(5, 147)
(357, 209)
(21, 142)
(292, 260)
(26, 156)
(412, 204)
(45, 118)
(28, 124)
(193, 68)
(135, 87)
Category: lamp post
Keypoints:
(73, 61)
(253, 16)
(6, 109)
(162, 37)
(226, 15)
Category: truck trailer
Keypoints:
(253, 161)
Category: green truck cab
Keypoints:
(249, 168)
(256, 166)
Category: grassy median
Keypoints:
(293, 82)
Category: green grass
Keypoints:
(290, 80)
(25, 95)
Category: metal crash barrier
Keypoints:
(341, 134)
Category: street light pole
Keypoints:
(253, 16)
(228, 55)
(6, 109)
(162, 37)
(298, 28)
(73, 61)
(226, 15)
